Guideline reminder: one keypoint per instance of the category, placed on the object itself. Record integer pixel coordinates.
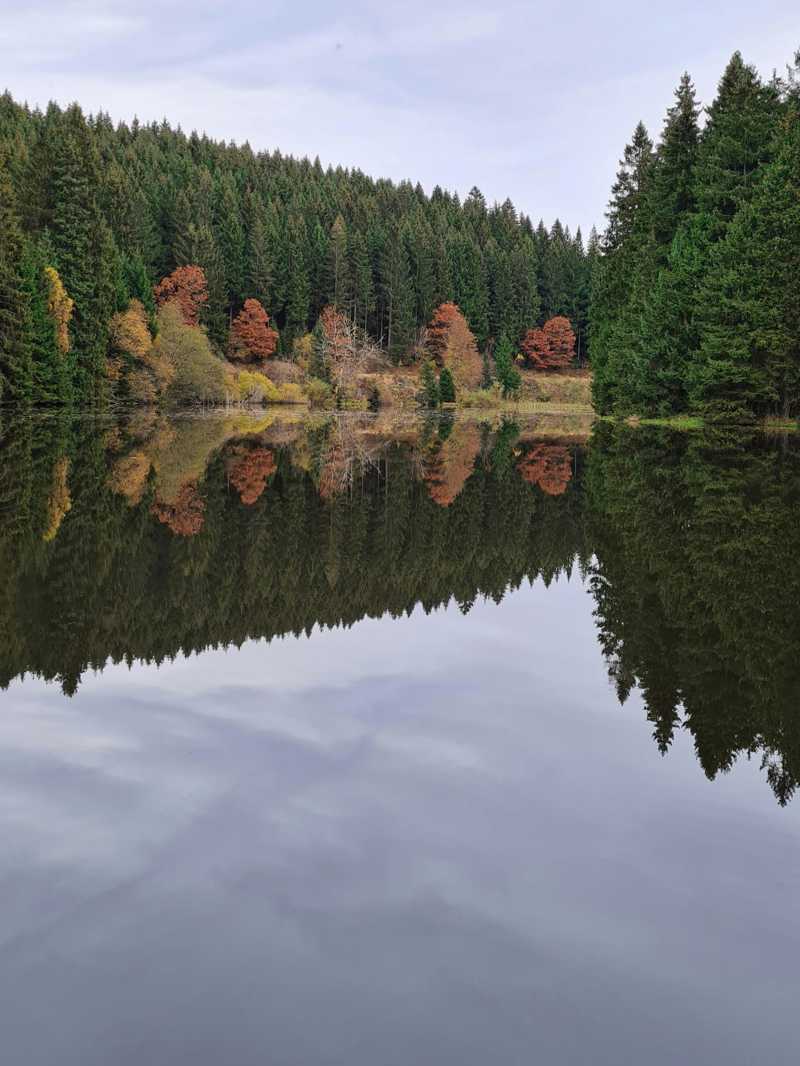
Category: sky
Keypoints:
(532, 101)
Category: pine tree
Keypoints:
(230, 240)
(507, 374)
(258, 275)
(671, 195)
(447, 387)
(430, 386)
(398, 299)
(15, 352)
(748, 308)
(337, 281)
(612, 283)
(318, 366)
(51, 368)
(361, 274)
(736, 142)
(78, 236)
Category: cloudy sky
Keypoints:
(528, 100)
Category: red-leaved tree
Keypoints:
(562, 340)
(187, 288)
(552, 347)
(249, 470)
(536, 349)
(251, 338)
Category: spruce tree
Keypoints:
(612, 283)
(447, 387)
(51, 369)
(430, 386)
(748, 308)
(337, 278)
(507, 374)
(15, 351)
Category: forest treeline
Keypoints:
(695, 303)
(94, 215)
(153, 537)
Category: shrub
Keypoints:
(199, 377)
(319, 393)
(253, 387)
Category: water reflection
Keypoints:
(144, 538)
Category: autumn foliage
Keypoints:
(186, 515)
(187, 287)
(249, 469)
(449, 342)
(448, 464)
(251, 338)
(549, 466)
(552, 347)
(60, 307)
(59, 501)
(129, 332)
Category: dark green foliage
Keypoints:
(447, 387)
(507, 374)
(318, 366)
(430, 386)
(695, 539)
(51, 370)
(16, 382)
(693, 304)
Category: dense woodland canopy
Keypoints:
(93, 216)
(151, 538)
(695, 303)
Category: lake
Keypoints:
(343, 739)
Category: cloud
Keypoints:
(522, 99)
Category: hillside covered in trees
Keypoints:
(696, 303)
(96, 218)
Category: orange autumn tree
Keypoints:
(186, 287)
(249, 470)
(561, 338)
(549, 466)
(449, 342)
(448, 464)
(251, 338)
(552, 347)
(185, 516)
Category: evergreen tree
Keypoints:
(622, 242)
(16, 382)
(447, 387)
(318, 366)
(430, 386)
(337, 282)
(507, 374)
(51, 368)
(748, 308)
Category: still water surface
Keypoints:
(312, 748)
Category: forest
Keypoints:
(146, 538)
(106, 231)
(695, 304)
